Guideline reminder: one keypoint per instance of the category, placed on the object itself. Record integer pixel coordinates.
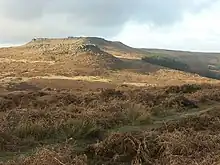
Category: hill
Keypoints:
(86, 58)
(204, 64)
(65, 56)
(89, 101)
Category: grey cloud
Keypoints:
(101, 12)
(22, 9)
(91, 17)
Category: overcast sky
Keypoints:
(171, 24)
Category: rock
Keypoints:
(89, 48)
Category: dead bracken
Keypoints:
(29, 119)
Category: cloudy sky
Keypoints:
(171, 24)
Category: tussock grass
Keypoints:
(71, 128)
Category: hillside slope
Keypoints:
(96, 54)
(204, 64)
(86, 58)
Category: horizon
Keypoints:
(8, 45)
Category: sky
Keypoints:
(191, 25)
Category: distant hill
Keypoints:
(115, 54)
(204, 64)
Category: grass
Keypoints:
(138, 115)
(43, 119)
(71, 128)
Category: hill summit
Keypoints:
(79, 51)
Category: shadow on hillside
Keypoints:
(176, 64)
(138, 66)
